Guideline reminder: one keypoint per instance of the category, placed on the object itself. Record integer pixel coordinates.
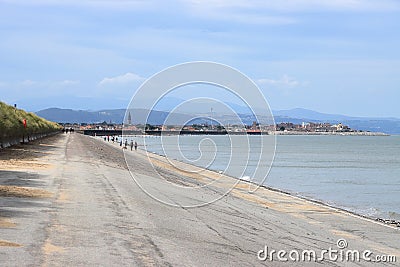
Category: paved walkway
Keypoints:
(90, 212)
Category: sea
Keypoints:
(357, 173)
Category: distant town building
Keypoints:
(129, 118)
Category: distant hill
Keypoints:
(112, 115)
(301, 113)
(82, 116)
(298, 115)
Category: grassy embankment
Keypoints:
(12, 126)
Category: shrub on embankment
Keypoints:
(14, 130)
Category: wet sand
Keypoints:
(93, 213)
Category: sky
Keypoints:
(332, 56)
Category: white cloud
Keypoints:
(222, 5)
(295, 5)
(244, 12)
(282, 12)
(121, 79)
(284, 81)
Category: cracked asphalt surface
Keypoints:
(98, 216)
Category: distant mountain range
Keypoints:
(111, 115)
(297, 115)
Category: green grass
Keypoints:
(11, 123)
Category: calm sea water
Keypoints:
(358, 173)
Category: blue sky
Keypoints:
(337, 56)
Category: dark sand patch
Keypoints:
(17, 191)
(4, 243)
(30, 151)
(14, 164)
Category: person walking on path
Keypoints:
(131, 144)
(126, 144)
(135, 146)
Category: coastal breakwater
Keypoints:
(18, 126)
(120, 132)
(93, 132)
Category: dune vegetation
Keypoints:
(16, 123)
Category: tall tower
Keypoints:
(129, 118)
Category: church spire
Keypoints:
(129, 118)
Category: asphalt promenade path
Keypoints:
(69, 200)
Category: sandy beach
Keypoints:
(70, 200)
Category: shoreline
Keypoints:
(386, 222)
